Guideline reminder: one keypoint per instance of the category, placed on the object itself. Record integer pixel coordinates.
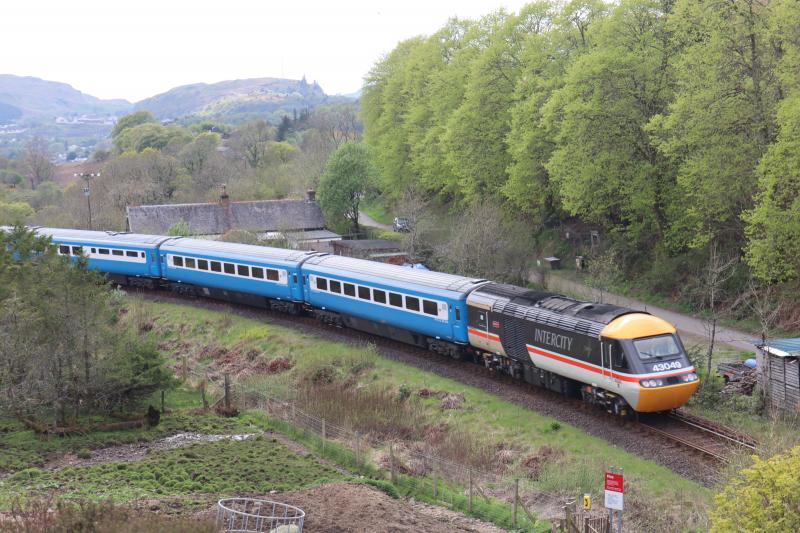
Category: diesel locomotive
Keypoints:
(617, 358)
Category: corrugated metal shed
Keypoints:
(779, 372)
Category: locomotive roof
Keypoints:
(553, 309)
(101, 236)
(427, 278)
(230, 248)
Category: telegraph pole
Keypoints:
(87, 190)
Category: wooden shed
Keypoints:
(779, 372)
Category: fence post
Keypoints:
(516, 500)
(358, 449)
(227, 391)
(163, 410)
(435, 485)
(391, 463)
(184, 367)
(203, 394)
(323, 435)
(470, 490)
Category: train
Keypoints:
(623, 360)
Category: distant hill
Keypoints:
(27, 97)
(235, 98)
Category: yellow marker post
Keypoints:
(587, 502)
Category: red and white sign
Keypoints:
(614, 490)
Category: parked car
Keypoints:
(401, 224)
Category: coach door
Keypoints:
(607, 355)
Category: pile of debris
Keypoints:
(740, 378)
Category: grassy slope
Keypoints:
(584, 457)
(257, 464)
(377, 211)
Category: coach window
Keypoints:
(130, 253)
(395, 299)
(117, 252)
(379, 296)
(202, 264)
(190, 262)
(243, 270)
(272, 274)
(177, 261)
(430, 308)
(322, 284)
(63, 250)
(77, 250)
(336, 286)
(258, 272)
(363, 292)
(229, 268)
(103, 251)
(216, 266)
(412, 304)
(94, 250)
(349, 289)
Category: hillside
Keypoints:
(23, 97)
(234, 97)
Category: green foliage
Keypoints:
(131, 120)
(179, 229)
(256, 464)
(348, 176)
(764, 497)
(15, 213)
(149, 135)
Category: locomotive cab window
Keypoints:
(379, 296)
(655, 347)
(363, 293)
(349, 289)
(229, 268)
(395, 299)
(322, 284)
(272, 274)
(202, 264)
(257, 272)
(216, 266)
(412, 304)
(336, 286)
(430, 308)
(177, 261)
(189, 262)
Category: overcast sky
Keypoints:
(135, 49)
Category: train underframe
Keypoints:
(525, 371)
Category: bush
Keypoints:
(764, 497)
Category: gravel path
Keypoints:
(589, 419)
(366, 220)
(686, 325)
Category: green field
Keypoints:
(484, 421)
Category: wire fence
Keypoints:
(427, 477)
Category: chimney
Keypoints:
(311, 195)
(224, 200)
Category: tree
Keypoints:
(36, 162)
(132, 120)
(715, 275)
(150, 135)
(348, 175)
(196, 154)
(764, 497)
(15, 213)
(250, 141)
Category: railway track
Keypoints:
(699, 434)
(713, 442)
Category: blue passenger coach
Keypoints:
(119, 254)
(415, 306)
(238, 272)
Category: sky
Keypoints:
(136, 49)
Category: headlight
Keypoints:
(686, 378)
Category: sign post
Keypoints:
(614, 490)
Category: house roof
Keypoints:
(218, 217)
(780, 347)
